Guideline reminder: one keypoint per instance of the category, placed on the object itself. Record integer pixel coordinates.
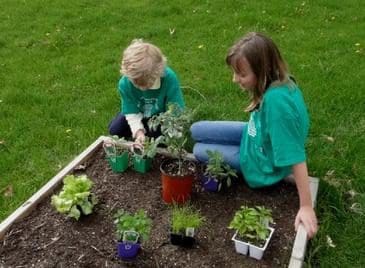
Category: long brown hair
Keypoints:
(265, 60)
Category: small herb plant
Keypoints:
(217, 169)
(252, 223)
(135, 225)
(149, 149)
(175, 124)
(75, 197)
(184, 217)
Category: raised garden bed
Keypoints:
(46, 238)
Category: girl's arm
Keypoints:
(306, 214)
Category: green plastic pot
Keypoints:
(119, 163)
(141, 165)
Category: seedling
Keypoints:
(137, 225)
(252, 223)
(218, 170)
(75, 197)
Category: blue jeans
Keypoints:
(222, 136)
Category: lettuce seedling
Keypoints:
(75, 197)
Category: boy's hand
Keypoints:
(307, 216)
(140, 137)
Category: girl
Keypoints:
(146, 87)
(271, 145)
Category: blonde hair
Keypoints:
(142, 60)
(265, 60)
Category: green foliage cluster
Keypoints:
(149, 149)
(175, 124)
(139, 223)
(185, 217)
(217, 168)
(252, 223)
(75, 195)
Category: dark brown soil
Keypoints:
(48, 239)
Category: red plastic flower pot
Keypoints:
(176, 188)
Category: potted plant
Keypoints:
(184, 222)
(75, 198)
(217, 173)
(253, 232)
(116, 153)
(177, 174)
(131, 231)
(143, 156)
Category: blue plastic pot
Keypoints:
(210, 184)
(128, 250)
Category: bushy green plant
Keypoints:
(75, 195)
(139, 222)
(252, 223)
(149, 148)
(175, 124)
(217, 168)
(185, 217)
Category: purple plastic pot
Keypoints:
(128, 250)
(210, 184)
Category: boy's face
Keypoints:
(246, 79)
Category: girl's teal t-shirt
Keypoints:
(152, 101)
(274, 139)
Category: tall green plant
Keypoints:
(175, 124)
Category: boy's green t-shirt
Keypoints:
(152, 101)
(274, 139)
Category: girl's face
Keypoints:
(246, 79)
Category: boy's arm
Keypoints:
(137, 128)
(306, 214)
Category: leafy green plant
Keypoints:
(218, 169)
(252, 223)
(139, 223)
(175, 124)
(185, 217)
(149, 149)
(75, 197)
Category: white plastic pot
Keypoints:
(254, 251)
(241, 247)
(257, 252)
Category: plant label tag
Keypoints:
(189, 232)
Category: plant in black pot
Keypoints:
(217, 173)
(75, 198)
(253, 232)
(117, 153)
(143, 156)
(131, 231)
(177, 173)
(184, 223)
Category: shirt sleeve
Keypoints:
(128, 101)
(135, 123)
(286, 135)
(174, 93)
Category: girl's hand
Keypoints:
(307, 217)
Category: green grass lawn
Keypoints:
(59, 67)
